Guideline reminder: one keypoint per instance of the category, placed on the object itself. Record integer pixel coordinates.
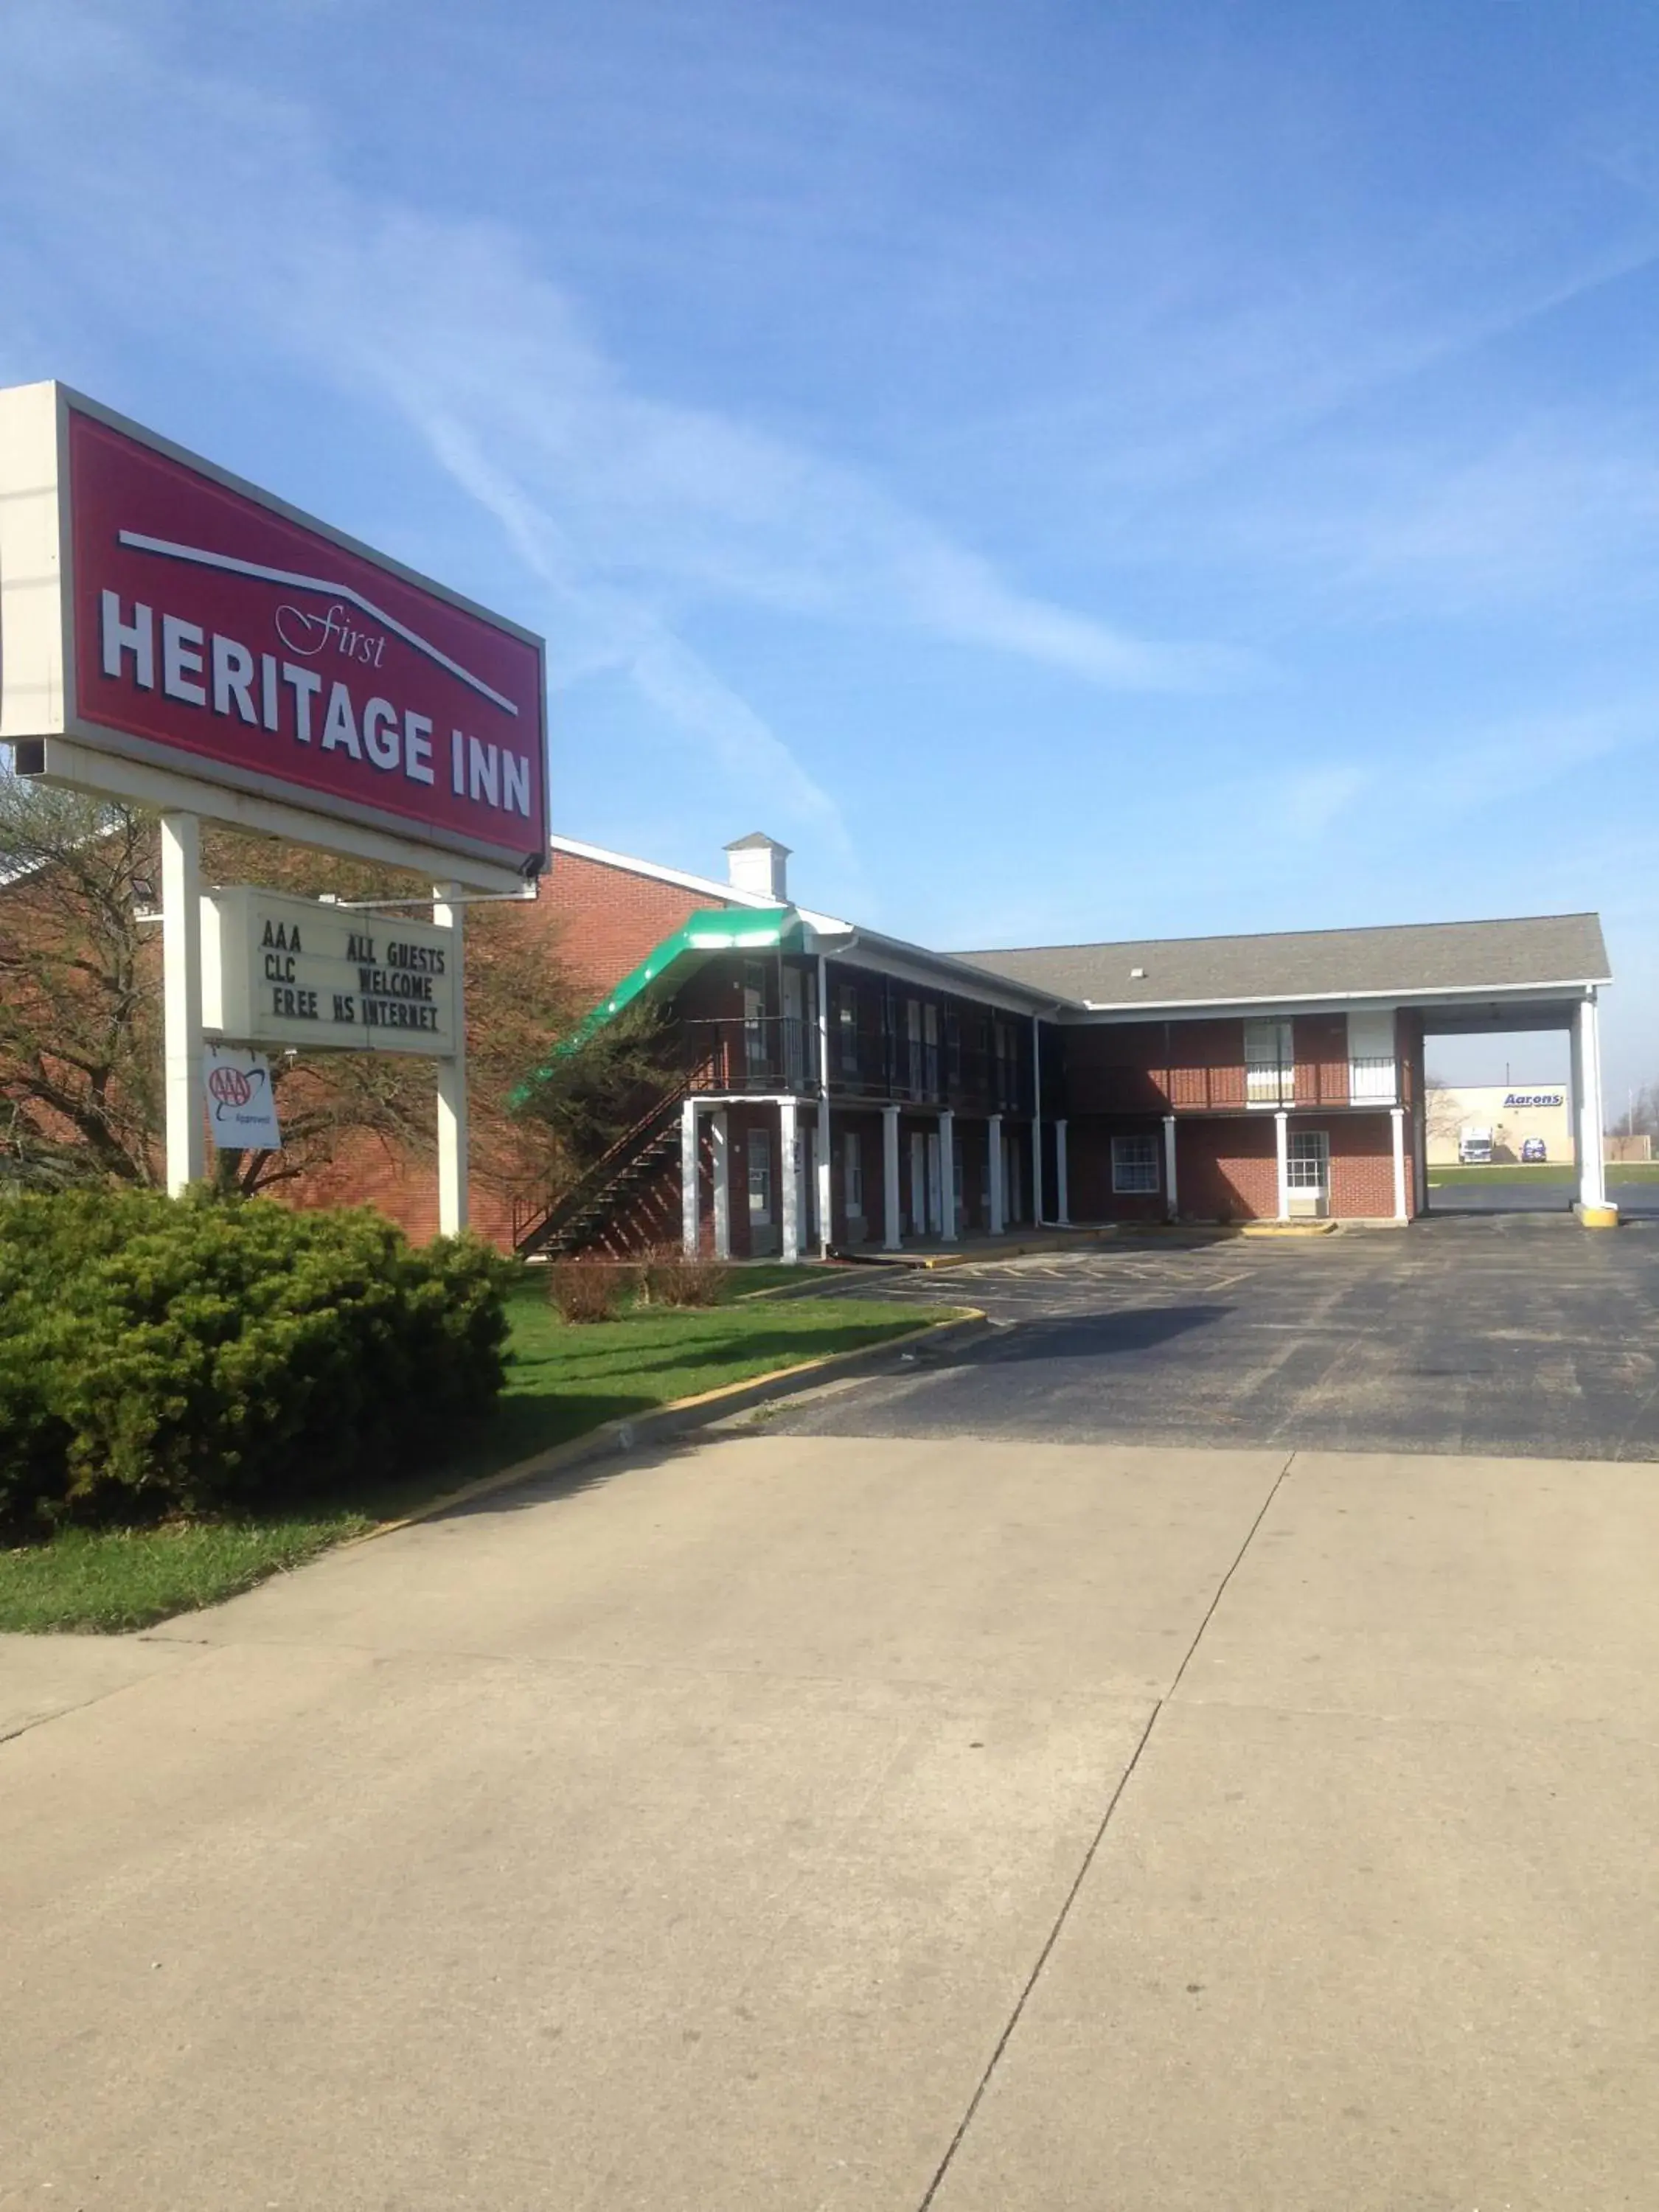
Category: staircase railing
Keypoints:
(537, 1221)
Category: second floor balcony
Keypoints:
(1233, 1087)
(780, 1055)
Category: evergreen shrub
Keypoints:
(161, 1357)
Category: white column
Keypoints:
(993, 1140)
(1037, 1125)
(1282, 1145)
(1397, 1115)
(947, 1177)
(181, 1000)
(826, 1181)
(689, 1224)
(452, 1076)
(1063, 1189)
(789, 1181)
(720, 1143)
(1587, 1102)
(1171, 1191)
(826, 1165)
(891, 1233)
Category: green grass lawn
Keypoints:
(563, 1381)
(1551, 1171)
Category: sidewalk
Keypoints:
(866, 1825)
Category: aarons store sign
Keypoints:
(155, 610)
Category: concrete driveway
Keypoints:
(871, 1822)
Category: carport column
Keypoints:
(1037, 1124)
(1171, 1194)
(719, 1140)
(993, 1140)
(689, 1178)
(789, 1181)
(1063, 1188)
(890, 1184)
(1587, 1116)
(947, 1176)
(1282, 1146)
(826, 1174)
(1397, 1115)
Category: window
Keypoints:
(853, 1175)
(1307, 1163)
(912, 1039)
(1269, 1064)
(759, 1178)
(847, 1027)
(953, 1052)
(754, 1014)
(1135, 1165)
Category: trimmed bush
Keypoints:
(670, 1279)
(194, 1356)
(584, 1290)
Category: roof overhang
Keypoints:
(1446, 998)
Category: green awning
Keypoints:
(717, 929)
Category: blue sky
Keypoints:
(1069, 470)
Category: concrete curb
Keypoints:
(636, 1431)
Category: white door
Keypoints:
(935, 1185)
(918, 1184)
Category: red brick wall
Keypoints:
(366, 1170)
(1362, 1164)
(1206, 1063)
(1090, 1196)
(1320, 1043)
(1227, 1168)
(608, 918)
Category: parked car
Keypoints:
(1535, 1150)
(1474, 1148)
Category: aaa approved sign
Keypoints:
(316, 977)
(241, 1109)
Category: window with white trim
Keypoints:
(852, 1175)
(1134, 1166)
(759, 1178)
(1308, 1160)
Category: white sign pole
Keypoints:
(181, 984)
(452, 1077)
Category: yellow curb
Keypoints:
(629, 1430)
(1288, 1228)
(1070, 1240)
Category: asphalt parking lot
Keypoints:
(1503, 1333)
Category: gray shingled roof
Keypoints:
(1313, 964)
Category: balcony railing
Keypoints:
(772, 1053)
(1230, 1089)
(780, 1054)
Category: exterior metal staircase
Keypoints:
(555, 1228)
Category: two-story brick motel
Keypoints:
(844, 1091)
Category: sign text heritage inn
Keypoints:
(174, 635)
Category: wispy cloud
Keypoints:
(213, 202)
